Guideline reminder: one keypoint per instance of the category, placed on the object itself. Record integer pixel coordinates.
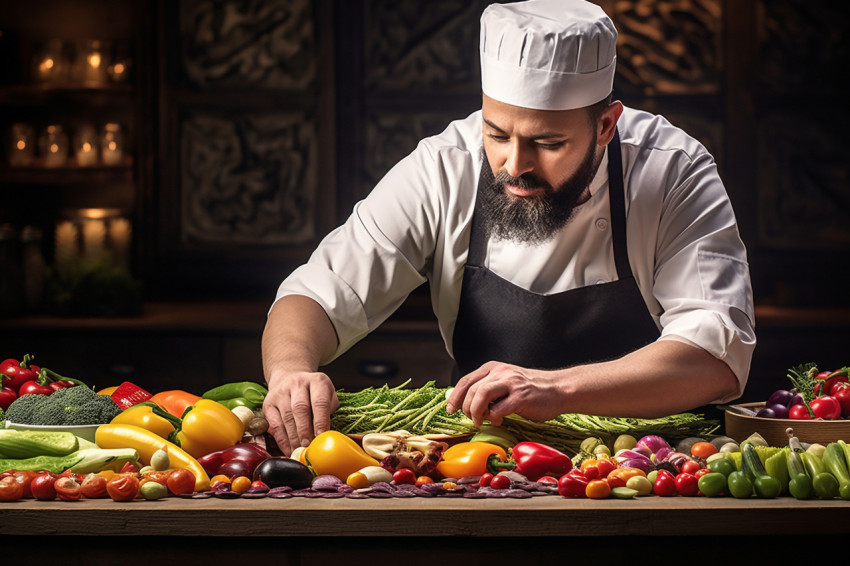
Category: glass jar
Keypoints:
(85, 145)
(112, 144)
(53, 146)
(91, 63)
(51, 64)
(21, 148)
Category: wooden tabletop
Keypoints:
(541, 516)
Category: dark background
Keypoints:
(254, 126)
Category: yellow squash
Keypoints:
(334, 453)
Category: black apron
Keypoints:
(500, 321)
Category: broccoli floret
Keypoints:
(76, 405)
(22, 409)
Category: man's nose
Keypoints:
(519, 160)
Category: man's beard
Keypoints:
(533, 219)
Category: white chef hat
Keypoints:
(547, 54)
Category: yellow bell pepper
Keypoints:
(468, 459)
(207, 427)
(149, 418)
(334, 453)
(146, 443)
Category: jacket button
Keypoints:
(601, 224)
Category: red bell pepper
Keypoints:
(128, 394)
(533, 460)
(16, 373)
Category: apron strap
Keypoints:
(617, 204)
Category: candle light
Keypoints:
(21, 145)
(50, 65)
(53, 145)
(112, 144)
(85, 145)
(66, 243)
(91, 63)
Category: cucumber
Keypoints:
(765, 485)
(32, 443)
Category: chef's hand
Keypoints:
(496, 390)
(298, 408)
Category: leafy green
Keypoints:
(803, 379)
(422, 410)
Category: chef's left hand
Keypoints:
(496, 390)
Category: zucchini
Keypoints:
(31, 443)
(765, 485)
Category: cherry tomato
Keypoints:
(597, 489)
(703, 450)
(826, 407)
(842, 393)
(827, 385)
(484, 481)
(590, 472)
(422, 480)
(181, 481)
(500, 481)
(548, 480)
(67, 488)
(404, 476)
(25, 477)
(686, 484)
(93, 486)
(240, 484)
(159, 476)
(214, 481)
(605, 466)
(10, 489)
(799, 412)
(123, 487)
(572, 485)
(259, 485)
(615, 481)
(42, 486)
(701, 472)
(690, 466)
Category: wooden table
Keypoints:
(409, 531)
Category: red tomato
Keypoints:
(665, 484)
(830, 384)
(67, 488)
(615, 481)
(842, 393)
(690, 466)
(485, 479)
(590, 472)
(500, 481)
(123, 487)
(42, 486)
(7, 395)
(605, 467)
(25, 477)
(826, 407)
(703, 450)
(404, 476)
(10, 489)
(35, 388)
(597, 489)
(701, 472)
(548, 480)
(93, 486)
(572, 485)
(686, 484)
(799, 412)
(181, 481)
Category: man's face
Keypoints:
(542, 163)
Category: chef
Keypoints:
(582, 256)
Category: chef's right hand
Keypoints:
(298, 407)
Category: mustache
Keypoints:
(526, 181)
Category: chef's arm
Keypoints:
(660, 379)
(298, 335)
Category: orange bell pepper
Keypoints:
(468, 459)
(175, 401)
(207, 427)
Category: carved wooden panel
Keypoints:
(668, 46)
(248, 179)
(422, 45)
(801, 44)
(248, 43)
(803, 191)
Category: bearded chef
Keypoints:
(582, 256)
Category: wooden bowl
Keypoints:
(740, 426)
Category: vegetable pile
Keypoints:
(385, 442)
(814, 394)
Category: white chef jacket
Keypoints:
(684, 247)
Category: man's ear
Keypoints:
(608, 123)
